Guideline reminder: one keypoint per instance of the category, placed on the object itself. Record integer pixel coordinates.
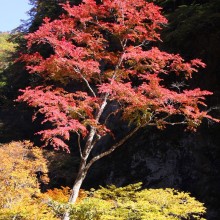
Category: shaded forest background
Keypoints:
(171, 158)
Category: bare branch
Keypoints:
(85, 80)
(178, 85)
(177, 123)
(79, 145)
(88, 85)
(110, 114)
(213, 108)
(120, 59)
(121, 142)
(144, 43)
(97, 138)
(89, 145)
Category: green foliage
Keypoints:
(189, 21)
(45, 8)
(133, 203)
(171, 5)
(6, 50)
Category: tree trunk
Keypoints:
(83, 169)
(76, 187)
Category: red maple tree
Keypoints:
(104, 50)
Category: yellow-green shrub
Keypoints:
(132, 203)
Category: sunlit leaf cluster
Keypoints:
(20, 196)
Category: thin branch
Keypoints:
(85, 80)
(98, 137)
(121, 142)
(79, 145)
(110, 114)
(164, 122)
(89, 145)
(144, 43)
(213, 108)
(177, 123)
(88, 85)
(120, 60)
